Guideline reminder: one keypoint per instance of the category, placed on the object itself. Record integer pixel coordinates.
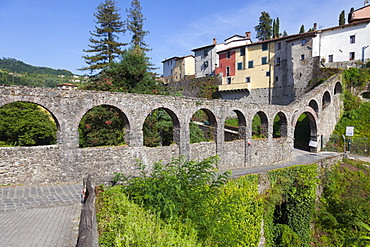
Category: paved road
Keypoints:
(42, 216)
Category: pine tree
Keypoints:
(104, 44)
(135, 22)
(301, 30)
(342, 19)
(264, 28)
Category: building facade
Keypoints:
(178, 68)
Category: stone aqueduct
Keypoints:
(66, 162)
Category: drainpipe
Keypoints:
(269, 59)
(363, 55)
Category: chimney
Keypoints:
(315, 27)
(214, 41)
(248, 35)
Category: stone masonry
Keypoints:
(66, 162)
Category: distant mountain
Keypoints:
(16, 66)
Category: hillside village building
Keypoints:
(178, 68)
(278, 71)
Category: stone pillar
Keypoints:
(183, 135)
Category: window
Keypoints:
(205, 64)
(264, 60)
(242, 51)
(267, 73)
(205, 53)
(227, 71)
(264, 46)
(228, 80)
(279, 46)
(303, 41)
(247, 79)
(228, 55)
(352, 39)
(240, 66)
(276, 78)
(330, 60)
(302, 57)
(250, 64)
(351, 56)
(277, 61)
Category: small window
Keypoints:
(352, 39)
(240, 66)
(302, 57)
(277, 61)
(279, 46)
(264, 60)
(330, 60)
(228, 55)
(276, 78)
(250, 64)
(205, 64)
(247, 79)
(228, 80)
(227, 71)
(303, 41)
(242, 51)
(351, 56)
(205, 53)
(267, 73)
(264, 46)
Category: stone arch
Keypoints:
(240, 129)
(123, 117)
(175, 121)
(326, 100)
(261, 130)
(365, 95)
(43, 107)
(314, 105)
(211, 122)
(312, 133)
(338, 88)
(280, 127)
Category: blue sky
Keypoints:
(53, 33)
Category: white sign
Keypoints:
(313, 144)
(350, 131)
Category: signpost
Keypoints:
(350, 131)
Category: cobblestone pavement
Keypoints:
(42, 216)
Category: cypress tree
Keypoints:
(104, 44)
(264, 28)
(342, 19)
(135, 23)
(285, 33)
(301, 30)
(350, 14)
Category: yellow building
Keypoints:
(178, 68)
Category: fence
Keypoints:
(356, 145)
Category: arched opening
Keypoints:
(234, 127)
(27, 124)
(161, 128)
(326, 100)
(103, 125)
(313, 104)
(280, 126)
(338, 88)
(260, 126)
(203, 126)
(365, 95)
(305, 132)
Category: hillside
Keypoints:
(16, 66)
(15, 72)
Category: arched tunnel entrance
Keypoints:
(305, 133)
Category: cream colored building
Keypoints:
(178, 69)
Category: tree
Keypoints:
(350, 14)
(276, 28)
(285, 33)
(342, 19)
(135, 23)
(264, 29)
(26, 124)
(301, 30)
(104, 44)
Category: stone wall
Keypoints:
(65, 162)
